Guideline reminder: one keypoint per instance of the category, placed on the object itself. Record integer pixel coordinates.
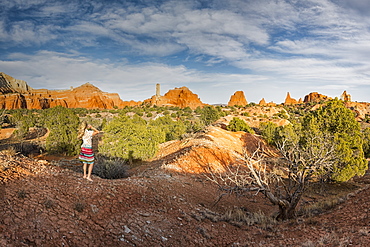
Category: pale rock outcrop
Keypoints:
(10, 85)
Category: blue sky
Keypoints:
(265, 48)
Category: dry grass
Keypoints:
(9, 152)
(320, 206)
(239, 216)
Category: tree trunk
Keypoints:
(286, 213)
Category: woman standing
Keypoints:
(86, 132)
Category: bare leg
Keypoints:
(85, 168)
(89, 172)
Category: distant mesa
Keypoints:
(16, 94)
(238, 99)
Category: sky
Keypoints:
(264, 48)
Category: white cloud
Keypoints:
(283, 45)
(53, 70)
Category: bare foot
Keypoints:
(84, 176)
(89, 179)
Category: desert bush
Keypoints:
(194, 125)
(62, 124)
(335, 119)
(209, 114)
(131, 138)
(22, 194)
(23, 119)
(110, 168)
(366, 145)
(172, 129)
(79, 206)
(269, 131)
(237, 124)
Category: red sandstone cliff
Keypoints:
(16, 94)
(238, 98)
(181, 97)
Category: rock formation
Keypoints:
(263, 103)
(315, 97)
(289, 100)
(16, 94)
(180, 97)
(10, 85)
(345, 96)
(238, 99)
(361, 109)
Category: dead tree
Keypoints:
(282, 183)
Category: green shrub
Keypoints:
(172, 129)
(209, 114)
(237, 124)
(131, 138)
(334, 118)
(62, 124)
(366, 145)
(269, 131)
(194, 125)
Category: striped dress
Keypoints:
(87, 154)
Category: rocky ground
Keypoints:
(45, 204)
(48, 203)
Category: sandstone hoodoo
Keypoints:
(289, 100)
(179, 97)
(263, 103)
(345, 96)
(238, 99)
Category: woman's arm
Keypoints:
(95, 130)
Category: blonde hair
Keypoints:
(81, 129)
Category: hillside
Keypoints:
(47, 203)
